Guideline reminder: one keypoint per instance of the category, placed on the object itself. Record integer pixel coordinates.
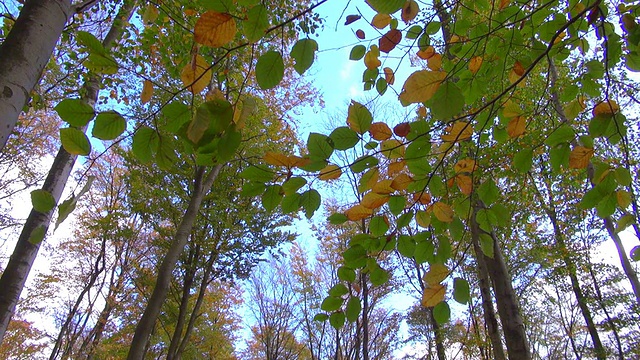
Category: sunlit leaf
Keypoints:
(147, 92)
(358, 212)
(436, 274)
(196, 75)
(457, 132)
(330, 172)
(380, 131)
(421, 86)
(74, 141)
(383, 187)
(608, 107)
(431, 296)
(215, 29)
(381, 20)
(373, 200)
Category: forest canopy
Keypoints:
(171, 157)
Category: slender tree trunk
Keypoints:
(490, 319)
(365, 317)
(437, 331)
(189, 276)
(15, 275)
(147, 321)
(24, 54)
(508, 308)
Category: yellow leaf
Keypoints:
(401, 182)
(196, 75)
(579, 157)
(389, 77)
(358, 212)
(465, 166)
(475, 63)
(147, 92)
(511, 109)
(243, 109)
(215, 29)
(624, 199)
(330, 172)
(372, 200)
(423, 218)
(371, 60)
(426, 53)
(297, 161)
(435, 62)
(421, 85)
(516, 126)
(395, 167)
(409, 11)
(381, 21)
(465, 184)
(608, 107)
(392, 149)
(380, 131)
(276, 159)
(383, 187)
(433, 295)
(435, 275)
(443, 212)
(422, 197)
(459, 131)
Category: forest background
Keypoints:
(468, 207)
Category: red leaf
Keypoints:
(389, 40)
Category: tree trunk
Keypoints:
(189, 276)
(489, 314)
(508, 308)
(151, 312)
(15, 275)
(24, 54)
(437, 331)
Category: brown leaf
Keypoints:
(409, 11)
(389, 40)
(380, 131)
(196, 75)
(330, 172)
(475, 63)
(373, 200)
(147, 92)
(516, 126)
(579, 157)
(215, 29)
(401, 182)
(402, 129)
(443, 212)
(351, 19)
(608, 107)
(459, 131)
(389, 77)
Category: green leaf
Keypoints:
(320, 146)
(228, 143)
(414, 32)
(90, 42)
(293, 184)
(355, 257)
(353, 309)
(346, 274)
(37, 235)
(404, 219)
(166, 157)
(74, 141)
(344, 138)
(272, 197)
(321, 317)
(108, 125)
(269, 70)
(337, 320)
(337, 219)
(523, 160)
(331, 303)
(488, 192)
(607, 206)
(67, 206)
(378, 276)
(303, 52)
(559, 156)
(386, 6)
(256, 24)
(635, 253)
(101, 64)
(377, 226)
(145, 144)
(252, 189)
(310, 202)
(176, 114)
(290, 203)
(447, 102)
(433, 27)
(75, 112)
(406, 246)
(363, 163)
(624, 222)
(424, 251)
(623, 176)
(461, 291)
(359, 117)
(257, 173)
(218, 5)
(381, 86)
(486, 245)
(441, 312)
(357, 52)
(561, 135)
(338, 290)
(397, 204)
(42, 201)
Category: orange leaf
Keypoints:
(147, 92)
(372, 200)
(435, 62)
(383, 187)
(426, 53)
(421, 86)
(608, 107)
(401, 182)
(297, 161)
(431, 296)
(465, 184)
(381, 21)
(371, 60)
(518, 68)
(443, 212)
(215, 29)
(358, 212)
(380, 131)
(504, 4)
(459, 131)
(330, 172)
(422, 198)
(395, 167)
(465, 166)
(276, 159)
(579, 157)
(475, 63)
(389, 40)
(516, 126)
(389, 77)
(196, 75)
(409, 11)
(436, 274)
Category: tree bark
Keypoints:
(508, 308)
(24, 54)
(151, 312)
(17, 270)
